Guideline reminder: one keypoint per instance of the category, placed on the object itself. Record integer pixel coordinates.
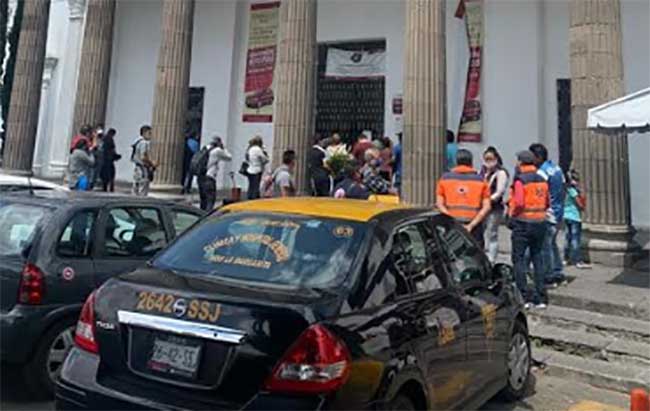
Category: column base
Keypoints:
(612, 246)
(170, 192)
(18, 173)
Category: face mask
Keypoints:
(490, 164)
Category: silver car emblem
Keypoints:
(180, 307)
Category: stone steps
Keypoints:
(590, 345)
(606, 350)
(602, 374)
(593, 322)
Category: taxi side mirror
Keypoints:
(502, 272)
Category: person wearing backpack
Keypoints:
(574, 204)
(280, 183)
(144, 165)
(205, 165)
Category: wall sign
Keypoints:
(355, 64)
(470, 129)
(260, 62)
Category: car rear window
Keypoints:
(18, 223)
(268, 248)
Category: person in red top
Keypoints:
(360, 148)
(84, 134)
(529, 200)
(463, 194)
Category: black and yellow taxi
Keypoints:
(304, 304)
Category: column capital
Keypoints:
(48, 71)
(77, 9)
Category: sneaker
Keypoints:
(540, 306)
(583, 266)
(528, 306)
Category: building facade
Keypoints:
(525, 75)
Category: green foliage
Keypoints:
(337, 163)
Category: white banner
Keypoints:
(355, 64)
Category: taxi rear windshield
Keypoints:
(268, 248)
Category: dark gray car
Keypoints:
(55, 248)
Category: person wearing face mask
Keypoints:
(496, 177)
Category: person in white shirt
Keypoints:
(208, 182)
(257, 159)
(496, 177)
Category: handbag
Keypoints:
(243, 169)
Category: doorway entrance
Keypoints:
(565, 140)
(349, 106)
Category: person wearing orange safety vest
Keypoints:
(529, 200)
(463, 194)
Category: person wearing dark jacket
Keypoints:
(107, 172)
(318, 174)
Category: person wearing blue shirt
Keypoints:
(397, 164)
(553, 174)
(192, 146)
(452, 149)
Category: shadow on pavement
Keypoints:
(632, 278)
(499, 404)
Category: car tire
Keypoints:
(401, 403)
(40, 372)
(518, 363)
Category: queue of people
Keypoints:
(540, 201)
(92, 159)
(535, 202)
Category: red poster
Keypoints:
(260, 62)
(470, 129)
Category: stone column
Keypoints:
(42, 136)
(602, 159)
(58, 137)
(22, 122)
(95, 63)
(171, 93)
(425, 101)
(294, 91)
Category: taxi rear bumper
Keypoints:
(77, 389)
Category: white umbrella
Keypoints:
(631, 112)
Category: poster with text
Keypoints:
(260, 62)
(470, 129)
(355, 65)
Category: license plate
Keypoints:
(175, 356)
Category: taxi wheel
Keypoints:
(43, 369)
(518, 364)
(401, 403)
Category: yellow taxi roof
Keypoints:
(357, 210)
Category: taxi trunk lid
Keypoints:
(200, 340)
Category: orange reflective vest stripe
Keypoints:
(464, 191)
(535, 196)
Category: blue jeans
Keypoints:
(572, 249)
(529, 236)
(552, 257)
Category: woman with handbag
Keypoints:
(253, 166)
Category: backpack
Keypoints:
(266, 185)
(199, 161)
(581, 201)
(134, 147)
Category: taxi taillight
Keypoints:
(85, 333)
(318, 362)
